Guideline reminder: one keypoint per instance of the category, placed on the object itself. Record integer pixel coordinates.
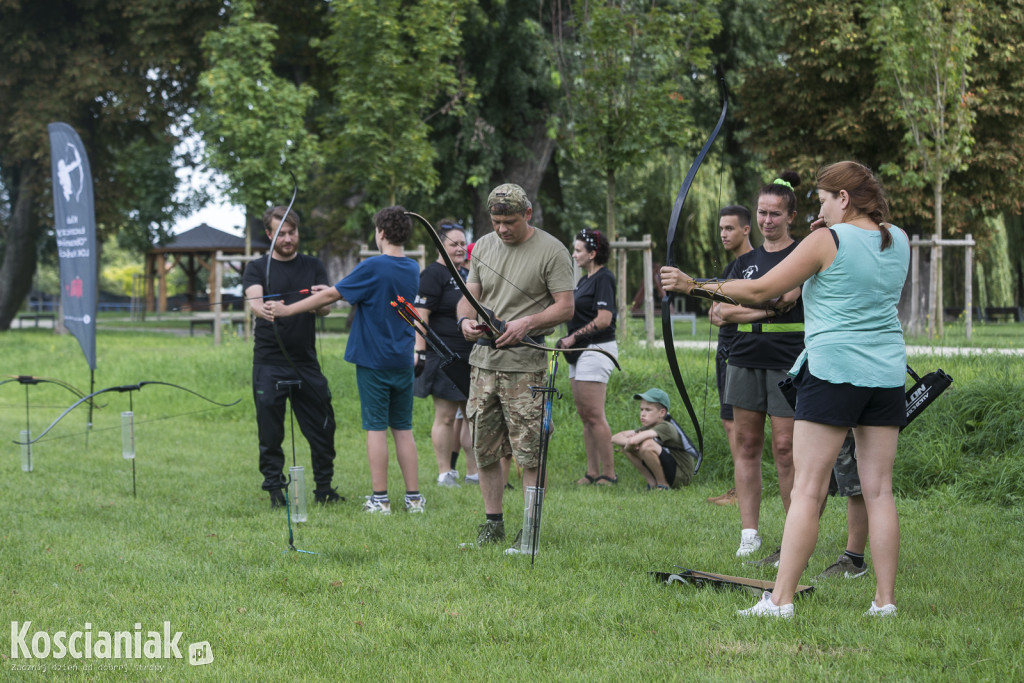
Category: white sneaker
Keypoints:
(413, 505)
(454, 473)
(376, 506)
(750, 542)
(883, 611)
(473, 479)
(765, 608)
(448, 479)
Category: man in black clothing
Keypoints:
(285, 364)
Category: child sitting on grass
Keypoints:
(660, 450)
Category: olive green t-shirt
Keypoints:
(668, 437)
(538, 268)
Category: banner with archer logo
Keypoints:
(75, 227)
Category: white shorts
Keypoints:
(595, 367)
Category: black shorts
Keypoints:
(434, 381)
(846, 405)
(668, 465)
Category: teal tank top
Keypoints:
(852, 332)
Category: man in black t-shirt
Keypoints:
(285, 364)
(734, 227)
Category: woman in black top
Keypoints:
(768, 340)
(593, 325)
(436, 302)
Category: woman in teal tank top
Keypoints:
(851, 373)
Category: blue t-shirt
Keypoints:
(852, 330)
(379, 338)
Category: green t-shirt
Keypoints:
(538, 268)
(668, 437)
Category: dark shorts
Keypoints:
(845, 480)
(846, 405)
(721, 365)
(385, 398)
(434, 381)
(668, 465)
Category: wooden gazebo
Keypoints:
(192, 251)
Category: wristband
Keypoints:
(459, 322)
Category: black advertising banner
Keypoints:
(75, 225)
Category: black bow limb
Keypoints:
(667, 333)
(122, 389)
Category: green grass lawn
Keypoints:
(385, 598)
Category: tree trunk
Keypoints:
(525, 169)
(19, 262)
(620, 297)
(939, 318)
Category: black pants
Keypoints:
(311, 401)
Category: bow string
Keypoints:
(273, 321)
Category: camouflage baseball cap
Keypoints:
(508, 199)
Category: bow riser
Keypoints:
(496, 326)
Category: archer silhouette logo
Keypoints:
(200, 653)
(70, 173)
(748, 272)
(74, 288)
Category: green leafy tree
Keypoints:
(816, 102)
(120, 73)
(393, 74)
(986, 196)
(925, 52)
(825, 51)
(622, 65)
(254, 121)
(507, 132)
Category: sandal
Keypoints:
(586, 479)
(605, 478)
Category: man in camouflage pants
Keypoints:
(845, 483)
(525, 276)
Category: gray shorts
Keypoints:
(721, 364)
(757, 390)
(845, 478)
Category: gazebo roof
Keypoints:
(205, 239)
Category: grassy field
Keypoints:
(384, 598)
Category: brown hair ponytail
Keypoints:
(866, 194)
